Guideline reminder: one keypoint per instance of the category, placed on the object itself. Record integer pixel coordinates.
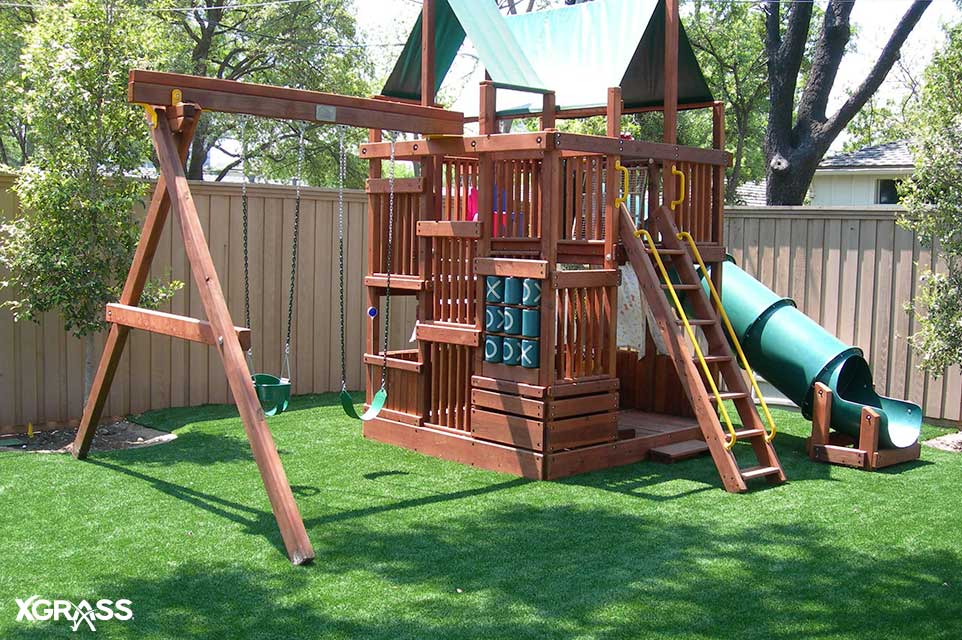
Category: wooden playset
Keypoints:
(512, 245)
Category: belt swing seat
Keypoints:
(380, 397)
(273, 392)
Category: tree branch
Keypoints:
(875, 77)
(834, 38)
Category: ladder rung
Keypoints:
(750, 473)
(697, 322)
(713, 359)
(682, 287)
(749, 433)
(729, 395)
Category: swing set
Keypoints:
(174, 104)
(274, 392)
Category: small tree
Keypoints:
(933, 202)
(71, 248)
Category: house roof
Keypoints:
(579, 51)
(751, 194)
(889, 155)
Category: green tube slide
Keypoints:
(793, 352)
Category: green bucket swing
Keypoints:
(380, 397)
(273, 392)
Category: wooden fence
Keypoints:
(41, 365)
(853, 271)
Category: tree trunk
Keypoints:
(90, 363)
(734, 178)
(198, 152)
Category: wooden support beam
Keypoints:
(230, 96)
(428, 28)
(868, 435)
(511, 267)
(465, 335)
(169, 324)
(448, 229)
(487, 109)
(671, 72)
(549, 107)
(268, 460)
(133, 288)
(586, 278)
(401, 185)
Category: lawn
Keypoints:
(413, 547)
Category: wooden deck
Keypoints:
(638, 433)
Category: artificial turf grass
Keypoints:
(185, 531)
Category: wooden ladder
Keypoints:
(676, 255)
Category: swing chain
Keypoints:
(297, 222)
(341, 173)
(390, 249)
(247, 280)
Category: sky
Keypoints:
(389, 21)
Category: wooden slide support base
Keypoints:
(841, 449)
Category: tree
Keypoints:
(309, 45)
(933, 206)
(800, 130)
(71, 248)
(727, 39)
(14, 149)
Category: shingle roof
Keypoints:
(891, 154)
(751, 194)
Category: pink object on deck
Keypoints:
(472, 205)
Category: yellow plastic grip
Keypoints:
(620, 200)
(681, 186)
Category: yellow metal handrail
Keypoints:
(622, 199)
(642, 233)
(681, 186)
(770, 435)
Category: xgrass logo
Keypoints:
(37, 609)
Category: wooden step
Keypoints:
(682, 287)
(697, 322)
(750, 473)
(714, 359)
(728, 395)
(749, 433)
(666, 252)
(678, 451)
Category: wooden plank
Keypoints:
(514, 374)
(508, 403)
(511, 267)
(401, 185)
(637, 149)
(582, 387)
(563, 408)
(513, 430)
(678, 451)
(586, 278)
(268, 461)
(889, 457)
(457, 447)
(506, 386)
(399, 364)
(398, 282)
(465, 335)
(169, 324)
(448, 229)
(582, 431)
(835, 454)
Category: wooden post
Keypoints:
(551, 170)
(549, 107)
(671, 94)
(487, 113)
(613, 186)
(821, 418)
(427, 53)
(718, 195)
(235, 366)
(868, 435)
(133, 288)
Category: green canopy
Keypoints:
(483, 24)
(578, 51)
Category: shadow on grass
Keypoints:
(522, 572)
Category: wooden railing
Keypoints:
(517, 201)
(584, 324)
(459, 183)
(582, 214)
(403, 380)
(404, 249)
(450, 394)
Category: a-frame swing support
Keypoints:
(173, 104)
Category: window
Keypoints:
(887, 191)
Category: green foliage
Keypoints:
(308, 45)
(71, 248)
(14, 149)
(933, 202)
(877, 123)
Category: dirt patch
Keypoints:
(111, 437)
(950, 442)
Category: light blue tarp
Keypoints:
(578, 51)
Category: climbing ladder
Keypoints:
(678, 255)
